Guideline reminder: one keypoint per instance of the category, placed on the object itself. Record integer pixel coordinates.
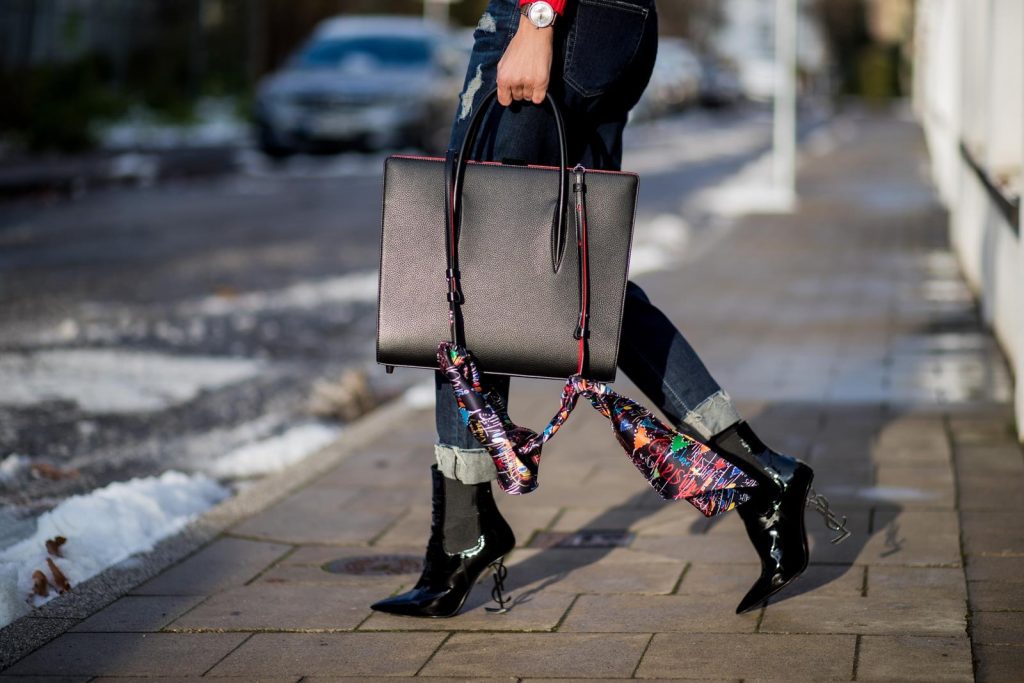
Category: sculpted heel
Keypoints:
(498, 592)
(774, 517)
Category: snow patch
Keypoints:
(107, 381)
(659, 243)
(420, 395)
(12, 466)
(102, 528)
(669, 145)
(216, 124)
(254, 164)
(275, 453)
(358, 287)
(749, 191)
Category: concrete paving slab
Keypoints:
(657, 614)
(923, 583)
(389, 679)
(225, 562)
(997, 628)
(527, 611)
(828, 614)
(911, 658)
(556, 655)
(993, 491)
(263, 606)
(735, 580)
(621, 680)
(996, 596)
(992, 533)
(581, 571)
(787, 657)
(31, 632)
(327, 654)
(129, 654)
(321, 516)
(189, 679)
(46, 679)
(999, 663)
(381, 469)
(139, 613)
(995, 568)
(310, 575)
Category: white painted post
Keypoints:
(784, 121)
(1019, 373)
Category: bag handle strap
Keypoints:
(455, 165)
(558, 226)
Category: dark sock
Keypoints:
(739, 439)
(461, 516)
(740, 445)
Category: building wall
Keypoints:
(969, 96)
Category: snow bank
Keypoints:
(275, 453)
(359, 287)
(420, 395)
(748, 191)
(12, 466)
(109, 380)
(216, 124)
(659, 243)
(102, 528)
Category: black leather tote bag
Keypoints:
(526, 265)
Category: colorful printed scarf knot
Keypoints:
(674, 464)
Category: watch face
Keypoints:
(541, 14)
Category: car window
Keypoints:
(379, 51)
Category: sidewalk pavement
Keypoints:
(850, 340)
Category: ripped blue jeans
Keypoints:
(604, 53)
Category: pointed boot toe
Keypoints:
(777, 531)
(424, 602)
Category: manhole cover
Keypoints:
(591, 538)
(375, 565)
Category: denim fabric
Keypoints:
(604, 55)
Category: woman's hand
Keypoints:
(524, 71)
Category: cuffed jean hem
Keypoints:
(468, 465)
(713, 415)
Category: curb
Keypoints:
(46, 622)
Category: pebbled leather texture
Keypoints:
(518, 315)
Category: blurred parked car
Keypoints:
(719, 83)
(363, 82)
(675, 81)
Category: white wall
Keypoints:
(969, 90)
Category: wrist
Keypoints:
(528, 30)
(540, 13)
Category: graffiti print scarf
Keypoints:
(678, 467)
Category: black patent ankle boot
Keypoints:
(774, 517)
(480, 536)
